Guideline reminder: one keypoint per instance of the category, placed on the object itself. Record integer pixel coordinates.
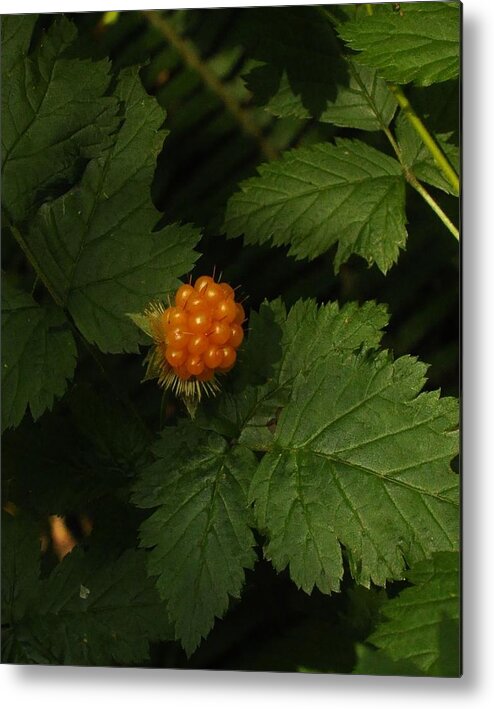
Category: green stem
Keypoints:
(424, 134)
(419, 187)
(437, 154)
(40, 276)
(36, 281)
(34, 263)
(409, 176)
(190, 56)
(327, 14)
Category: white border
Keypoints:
(82, 688)
(24, 6)
(11, 6)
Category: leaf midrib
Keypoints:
(381, 476)
(314, 190)
(38, 107)
(108, 161)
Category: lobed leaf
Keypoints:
(414, 41)
(420, 625)
(302, 61)
(96, 243)
(418, 158)
(304, 74)
(372, 662)
(366, 103)
(312, 198)
(69, 461)
(308, 333)
(199, 535)
(38, 357)
(360, 459)
(311, 332)
(279, 346)
(88, 611)
(54, 112)
(16, 33)
(20, 565)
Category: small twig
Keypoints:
(191, 57)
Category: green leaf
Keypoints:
(142, 322)
(358, 433)
(421, 624)
(67, 462)
(348, 193)
(308, 333)
(20, 570)
(278, 347)
(372, 662)
(418, 158)
(21, 547)
(199, 535)
(54, 112)
(38, 358)
(305, 74)
(96, 243)
(413, 41)
(311, 332)
(16, 38)
(89, 611)
(303, 59)
(364, 101)
(103, 615)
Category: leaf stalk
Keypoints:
(437, 154)
(34, 263)
(419, 187)
(439, 158)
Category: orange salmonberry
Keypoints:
(237, 335)
(196, 337)
(228, 357)
(175, 358)
(225, 310)
(212, 357)
(183, 294)
(220, 333)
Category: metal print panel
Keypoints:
(230, 370)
